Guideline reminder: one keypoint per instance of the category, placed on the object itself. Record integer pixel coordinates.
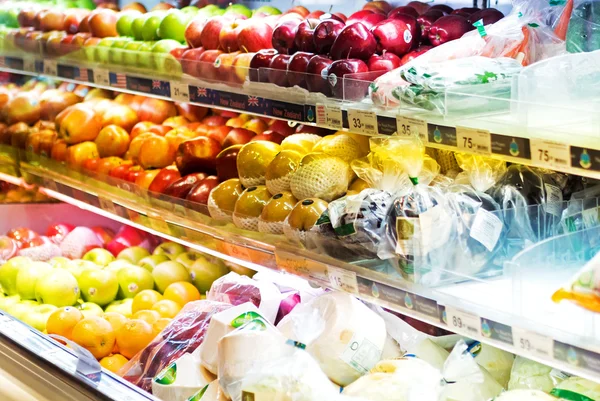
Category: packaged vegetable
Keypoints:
(480, 225)
(528, 374)
(584, 287)
(524, 395)
(347, 340)
(583, 34)
(183, 334)
(577, 389)
(181, 378)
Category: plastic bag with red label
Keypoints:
(183, 334)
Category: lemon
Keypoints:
(321, 176)
(275, 212)
(249, 206)
(253, 160)
(302, 143)
(279, 173)
(342, 146)
(222, 199)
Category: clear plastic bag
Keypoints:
(528, 374)
(183, 334)
(347, 338)
(577, 388)
(584, 287)
(583, 34)
(480, 225)
(235, 289)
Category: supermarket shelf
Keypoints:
(512, 312)
(49, 366)
(494, 132)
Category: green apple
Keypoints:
(203, 272)
(90, 309)
(134, 279)
(164, 61)
(169, 249)
(28, 277)
(118, 265)
(124, 22)
(77, 266)
(6, 302)
(173, 25)
(137, 25)
(133, 254)
(59, 262)
(168, 273)
(103, 51)
(8, 274)
(99, 256)
(267, 10)
(218, 11)
(123, 307)
(190, 10)
(130, 53)
(188, 258)
(39, 316)
(58, 288)
(238, 9)
(145, 58)
(150, 262)
(99, 286)
(149, 30)
(117, 52)
(21, 308)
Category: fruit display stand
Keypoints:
(35, 366)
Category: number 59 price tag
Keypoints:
(362, 121)
(533, 343)
(463, 322)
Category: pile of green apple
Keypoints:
(99, 282)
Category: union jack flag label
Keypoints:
(253, 101)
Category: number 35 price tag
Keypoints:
(362, 121)
(463, 322)
(411, 127)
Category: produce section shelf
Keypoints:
(494, 131)
(95, 382)
(513, 312)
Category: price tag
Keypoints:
(342, 279)
(302, 267)
(237, 251)
(29, 64)
(463, 322)
(474, 140)
(550, 154)
(321, 113)
(101, 77)
(537, 344)
(51, 68)
(362, 121)
(107, 205)
(180, 92)
(411, 127)
(334, 117)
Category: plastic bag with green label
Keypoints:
(577, 389)
(528, 374)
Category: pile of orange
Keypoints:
(113, 339)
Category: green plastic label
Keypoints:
(167, 375)
(569, 395)
(244, 318)
(480, 28)
(198, 396)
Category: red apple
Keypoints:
(301, 10)
(393, 35)
(56, 232)
(227, 163)
(415, 53)
(315, 14)
(489, 16)
(284, 35)
(22, 235)
(277, 72)
(340, 68)
(354, 41)
(164, 178)
(413, 25)
(106, 235)
(281, 127)
(213, 121)
(316, 78)
(270, 136)
(448, 28)
(378, 6)
(103, 23)
(241, 67)
(206, 64)
(182, 187)
(419, 6)
(403, 10)
(201, 191)
(228, 37)
(466, 10)
(191, 112)
(260, 63)
(304, 35)
(446, 9)
(366, 17)
(254, 36)
(197, 155)
(325, 34)
(209, 38)
(219, 133)
(193, 32)
(386, 62)
(238, 136)
(224, 66)
(425, 21)
(296, 73)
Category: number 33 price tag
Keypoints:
(362, 121)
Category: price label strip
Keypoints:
(321, 114)
(533, 343)
(51, 68)
(101, 77)
(334, 117)
(362, 121)
(309, 269)
(180, 92)
(411, 127)
(107, 205)
(474, 140)
(29, 64)
(463, 322)
(237, 251)
(342, 279)
(550, 154)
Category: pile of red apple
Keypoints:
(310, 49)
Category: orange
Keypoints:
(144, 300)
(149, 316)
(116, 320)
(62, 321)
(114, 363)
(160, 324)
(134, 336)
(167, 308)
(182, 292)
(96, 335)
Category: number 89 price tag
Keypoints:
(362, 121)
(463, 322)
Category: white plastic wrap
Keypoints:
(528, 374)
(348, 337)
(181, 379)
(577, 388)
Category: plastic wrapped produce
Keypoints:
(577, 388)
(183, 334)
(528, 374)
(480, 226)
(583, 34)
(181, 379)
(420, 226)
(348, 336)
(236, 290)
(583, 288)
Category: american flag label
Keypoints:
(118, 80)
